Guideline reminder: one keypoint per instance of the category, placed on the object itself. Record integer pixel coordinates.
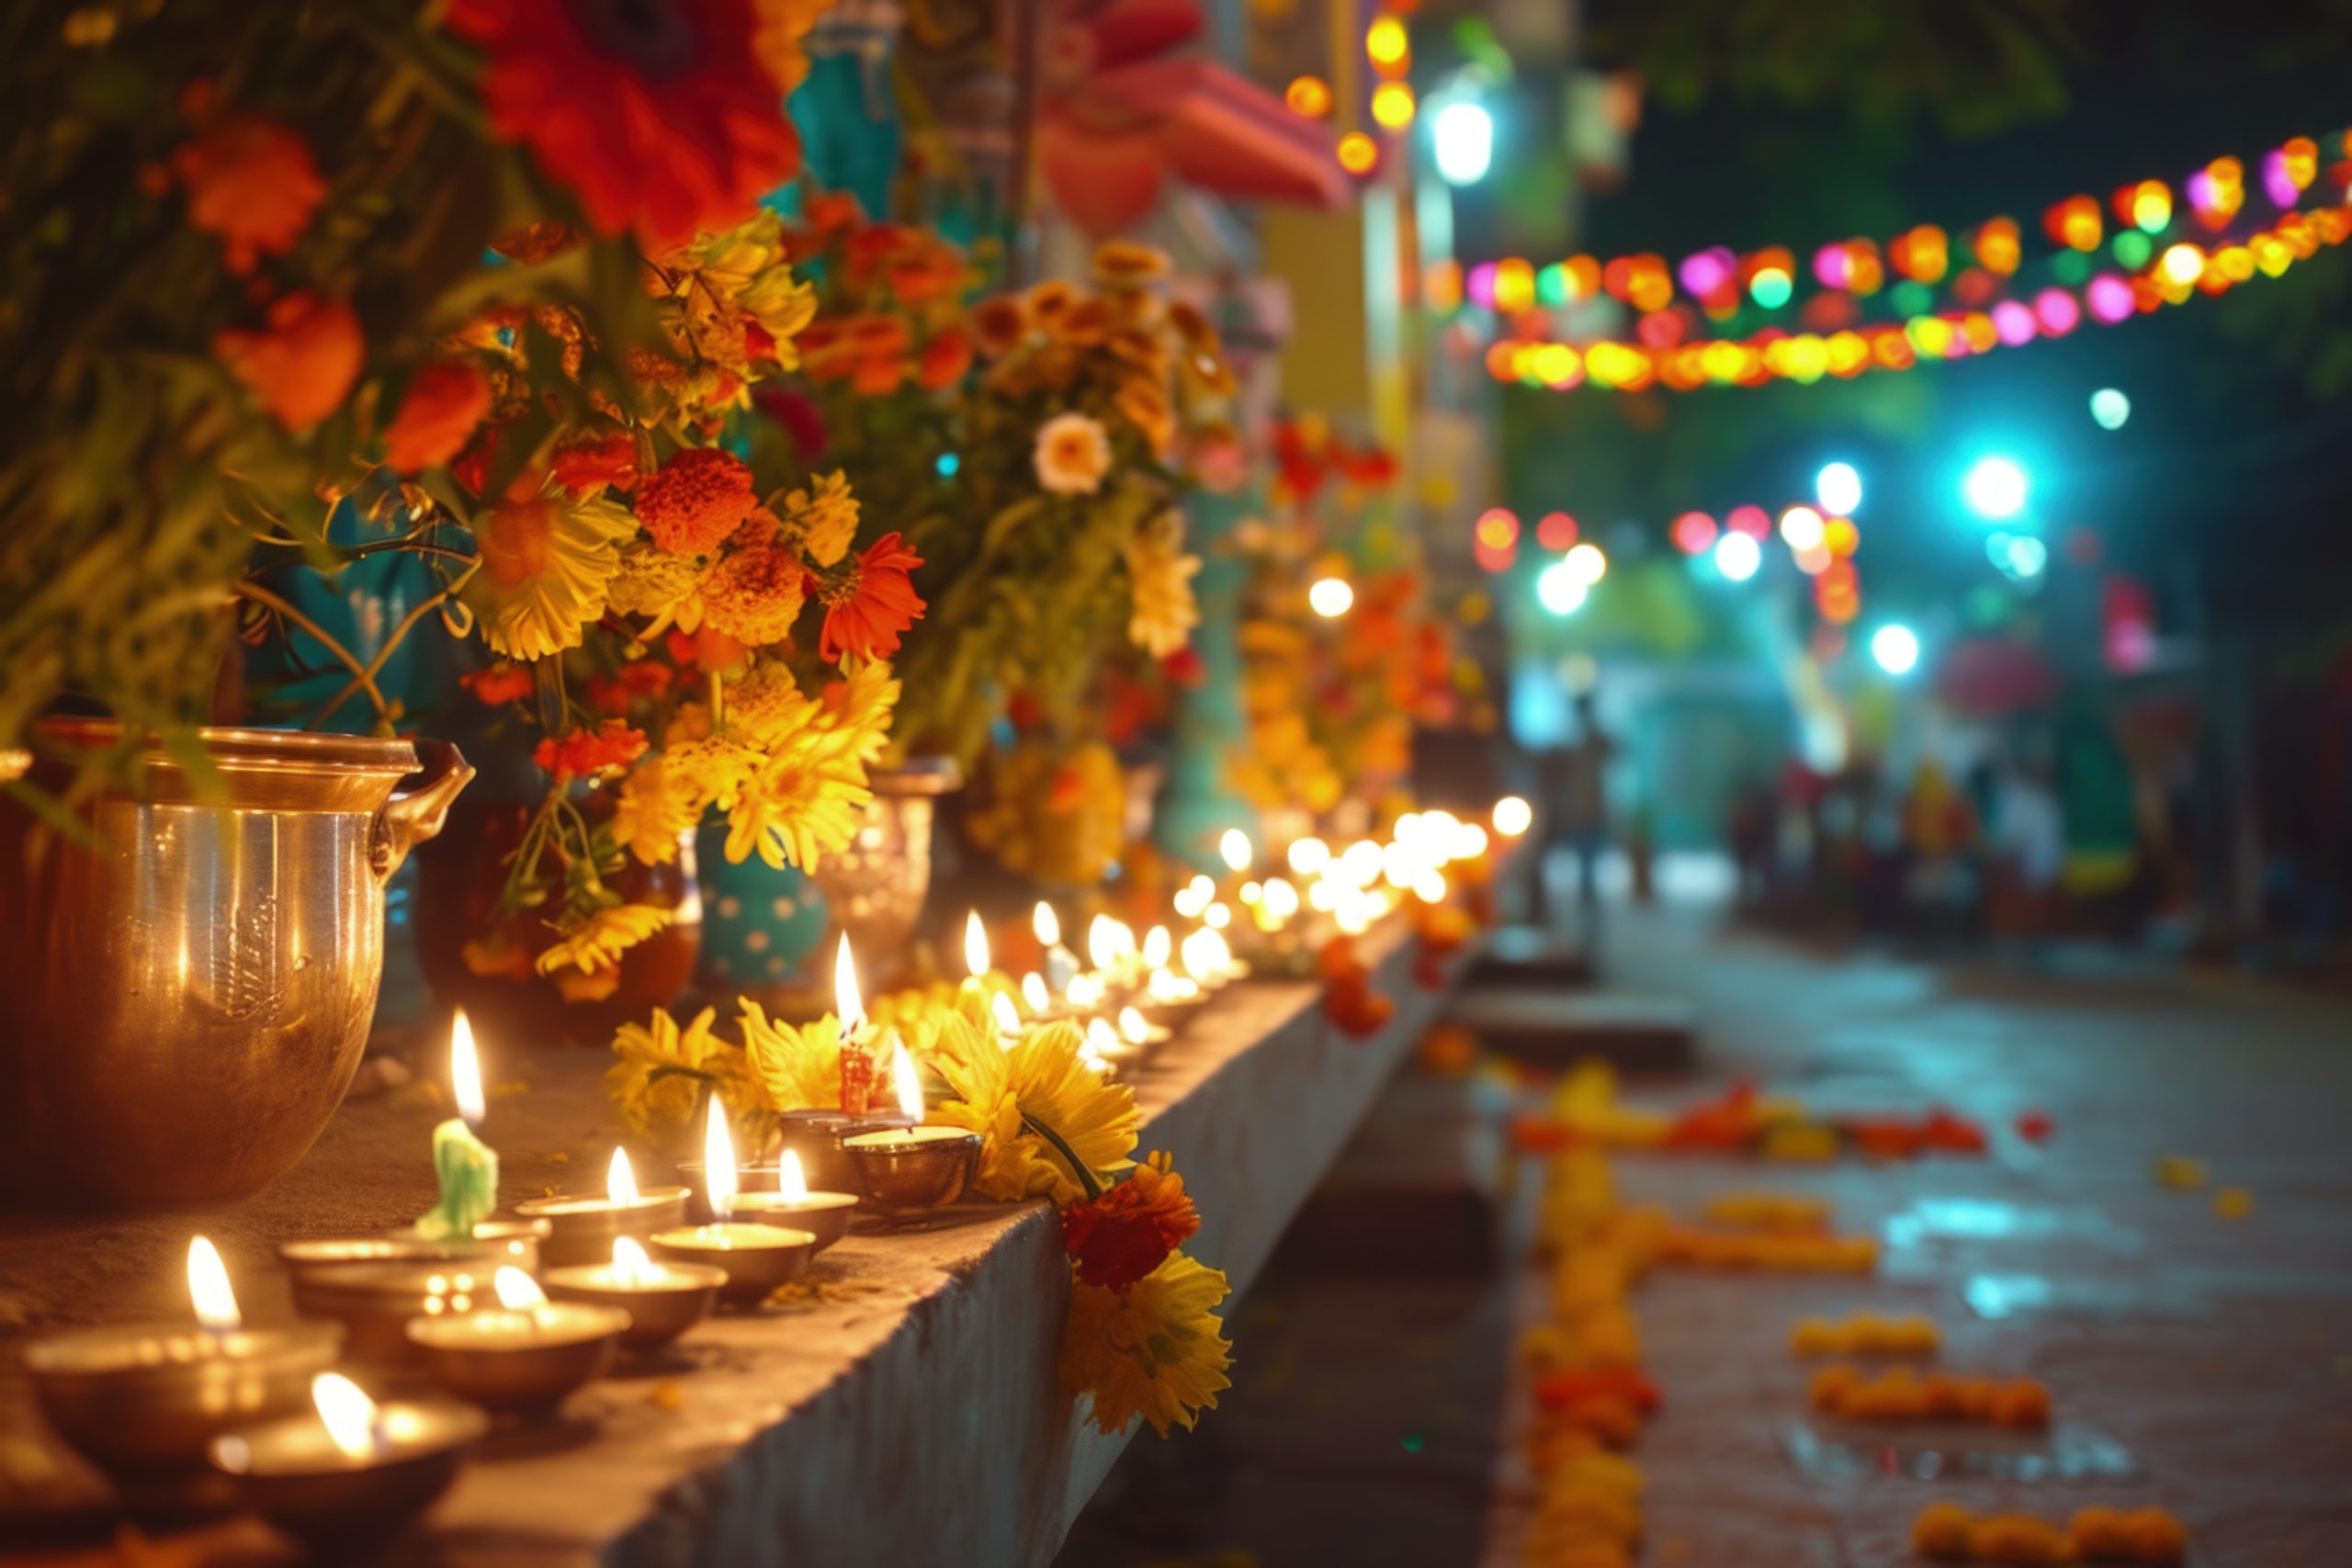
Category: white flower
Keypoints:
(1073, 454)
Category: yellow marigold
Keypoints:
(662, 1069)
(707, 769)
(599, 942)
(1045, 302)
(858, 708)
(755, 591)
(792, 809)
(1124, 263)
(655, 583)
(823, 518)
(764, 704)
(547, 560)
(793, 1067)
(1154, 1351)
(1159, 573)
(656, 806)
(1042, 1080)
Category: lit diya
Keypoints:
(914, 1166)
(756, 1258)
(584, 1228)
(824, 1215)
(662, 1299)
(349, 1467)
(528, 1353)
(143, 1399)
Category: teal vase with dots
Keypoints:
(760, 926)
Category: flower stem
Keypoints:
(1086, 1177)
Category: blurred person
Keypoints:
(1577, 791)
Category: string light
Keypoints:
(1392, 107)
(1309, 96)
(1387, 47)
(1358, 153)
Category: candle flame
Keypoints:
(1100, 946)
(1281, 898)
(1007, 1021)
(1513, 816)
(347, 1413)
(719, 1184)
(1046, 924)
(208, 1286)
(517, 1291)
(1134, 1025)
(909, 1086)
(1218, 917)
(1158, 945)
(1083, 990)
(790, 1184)
(1101, 1037)
(1195, 897)
(464, 1070)
(1234, 848)
(620, 1182)
(1309, 856)
(975, 945)
(631, 1261)
(1033, 992)
(848, 1006)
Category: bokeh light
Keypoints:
(1738, 557)
(2110, 408)
(1801, 528)
(1560, 590)
(1995, 486)
(1587, 561)
(1555, 531)
(1838, 488)
(1358, 152)
(1693, 533)
(1331, 597)
(1309, 96)
(1461, 139)
(1895, 647)
(1392, 106)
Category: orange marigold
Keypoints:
(870, 604)
(755, 591)
(614, 743)
(1117, 1239)
(302, 364)
(944, 359)
(585, 465)
(502, 683)
(696, 500)
(1124, 263)
(252, 183)
(1000, 324)
(446, 399)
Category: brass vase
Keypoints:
(190, 981)
(874, 887)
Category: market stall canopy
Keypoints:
(1119, 117)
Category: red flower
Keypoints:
(868, 607)
(944, 359)
(251, 182)
(301, 367)
(589, 464)
(471, 469)
(1129, 1231)
(638, 678)
(661, 119)
(446, 400)
(696, 500)
(614, 743)
(500, 683)
(799, 417)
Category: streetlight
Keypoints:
(1461, 139)
(1994, 488)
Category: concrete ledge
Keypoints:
(1557, 1029)
(909, 1414)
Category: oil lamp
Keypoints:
(348, 1468)
(528, 1353)
(662, 1299)
(756, 1258)
(584, 1228)
(913, 1166)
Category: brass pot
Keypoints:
(189, 988)
(875, 886)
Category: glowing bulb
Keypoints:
(975, 945)
(630, 1262)
(1134, 1026)
(1513, 816)
(791, 1183)
(208, 1286)
(848, 1006)
(1033, 992)
(1839, 487)
(1331, 597)
(1738, 557)
(1800, 527)
(1046, 924)
(2182, 263)
(1559, 590)
(1308, 857)
(1896, 648)
(1232, 848)
(517, 1291)
(1462, 138)
(620, 1181)
(909, 1085)
(719, 1182)
(1393, 106)
(464, 1070)
(349, 1415)
(2110, 408)
(1586, 563)
(1995, 487)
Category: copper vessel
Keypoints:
(190, 981)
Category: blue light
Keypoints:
(947, 465)
(1461, 137)
(2110, 408)
(1996, 488)
(1561, 588)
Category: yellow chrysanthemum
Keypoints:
(793, 1067)
(1154, 1351)
(659, 1078)
(655, 583)
(858, 709)
(792, 808)
(1042, 1081)
(1160, 574)
(656, 805)
(599, 942)
(823, 518)
(547, 565)
(766, 706)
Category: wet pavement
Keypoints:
(2196, 1361)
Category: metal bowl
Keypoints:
(824, 1215)
(290, 1474)
(520, 1360)
(659, 1310)
(144, 1399)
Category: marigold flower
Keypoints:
(547, 563)
(597, 943)
(1072, 454)
(1046, 301)
(502, 683)
(823, 518)
(1154, 1351)
(872, 605)
(696, 500)
(944, 359)
(661, 120)
(1000, 324)
(446, 401)
(614, 743)
(755, 591)
(880, 376)
(301, 365)
(1124, 263)
(587, 464)
(252, 183)
(534, 241)
(1114, 1240)
(1085, 324)
(1193, 326)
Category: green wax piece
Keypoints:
(468, 1170)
